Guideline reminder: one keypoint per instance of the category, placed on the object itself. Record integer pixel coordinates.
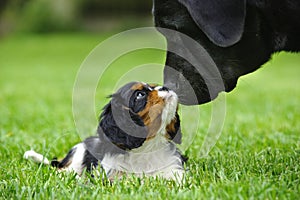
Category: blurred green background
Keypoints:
(42, 45)
(42, 16)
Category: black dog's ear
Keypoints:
(221, 21)
(174, 130)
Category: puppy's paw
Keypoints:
(36, 157)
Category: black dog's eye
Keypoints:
(140, 95)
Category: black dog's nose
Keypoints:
(163, 89)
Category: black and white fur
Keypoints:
(137, 134)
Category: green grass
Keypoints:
(256, 157)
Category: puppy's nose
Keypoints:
(163, 89)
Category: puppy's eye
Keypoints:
(140, 95)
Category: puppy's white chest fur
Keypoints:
(169, 110)
(156, 157)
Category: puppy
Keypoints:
(137, 134)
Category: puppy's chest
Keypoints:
(152, 158)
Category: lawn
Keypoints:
(256, 157)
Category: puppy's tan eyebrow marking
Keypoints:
(141, 86)
(152, 85)
(137, 86)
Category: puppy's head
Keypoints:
(138, 112)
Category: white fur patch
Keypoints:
(156, 157)
(169, 111)
(36, 157)
(76, 162)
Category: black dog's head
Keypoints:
(138, 112)
(239, 36)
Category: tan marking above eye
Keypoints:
(137, 86)
(153, 85)
(141, 86)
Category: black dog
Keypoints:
(239, 35)
(137, 133)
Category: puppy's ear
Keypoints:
(221, 21)
(174, 130)
(121, 127)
